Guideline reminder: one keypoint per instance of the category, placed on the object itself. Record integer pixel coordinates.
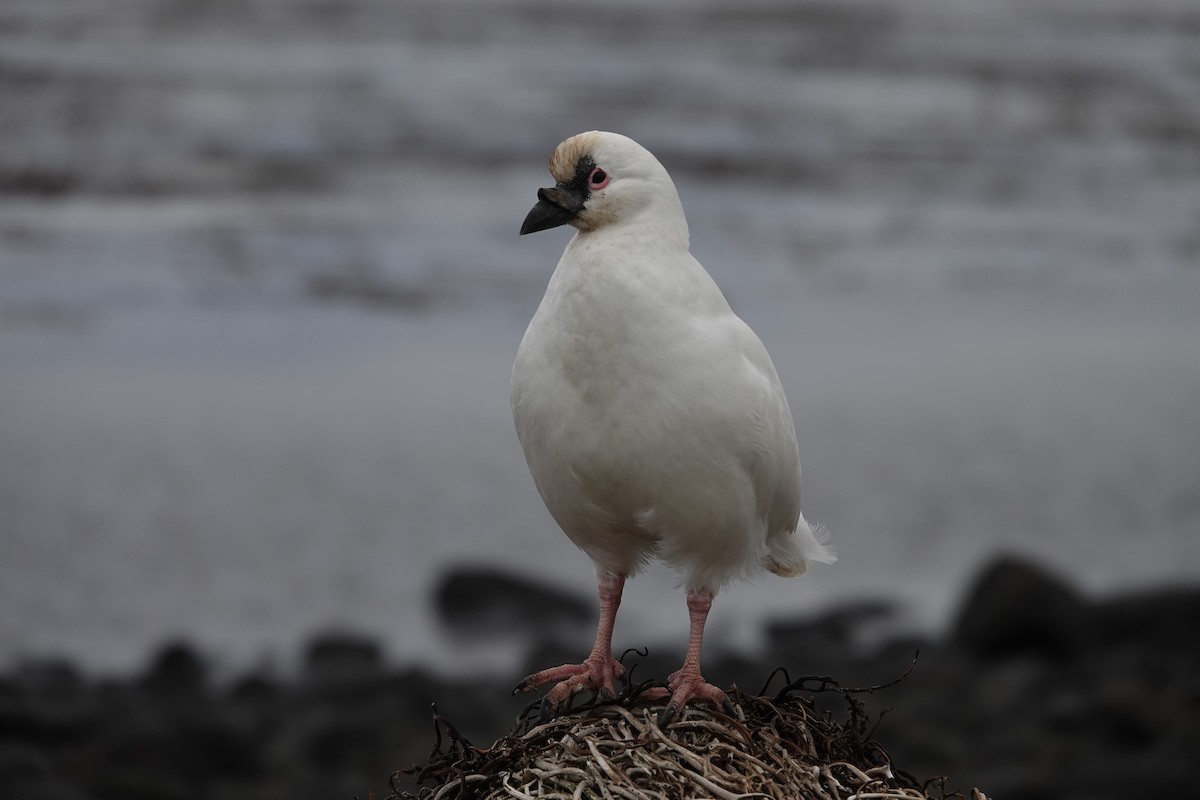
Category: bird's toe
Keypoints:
(594, 674)
(687, 686)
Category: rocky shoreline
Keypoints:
(1036, 692)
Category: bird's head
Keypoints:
(603, 179)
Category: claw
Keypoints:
(667, 714)
(546, 710)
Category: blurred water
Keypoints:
(260, 289)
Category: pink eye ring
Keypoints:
(598, 179)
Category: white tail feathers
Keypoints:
(824, 540)
(789, 555)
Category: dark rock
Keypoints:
(255, 690)
(341, 659)
(48, 702)
(23, 763)
(1018, 607)
(839, 629)
(27, 771)
(49, 676)
(482, 707)
(337, 738)
(1164, 617)
(482, 599)
(172, 745)
(122, 782)
(177, 671)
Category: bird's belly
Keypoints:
(585, 455)
(628, 472)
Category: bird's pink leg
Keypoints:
(687, 683)
(598, 670)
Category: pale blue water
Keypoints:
(257, 321)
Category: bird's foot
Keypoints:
(597, 673)
(685, 685)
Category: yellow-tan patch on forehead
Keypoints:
(566, 156)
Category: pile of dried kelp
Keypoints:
(780, 747)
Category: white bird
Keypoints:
(651, 416)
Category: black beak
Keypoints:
(555, 206)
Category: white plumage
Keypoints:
(651, 416)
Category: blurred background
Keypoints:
(261, 288)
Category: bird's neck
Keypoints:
(660, 225)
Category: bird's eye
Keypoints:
(598, 179)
